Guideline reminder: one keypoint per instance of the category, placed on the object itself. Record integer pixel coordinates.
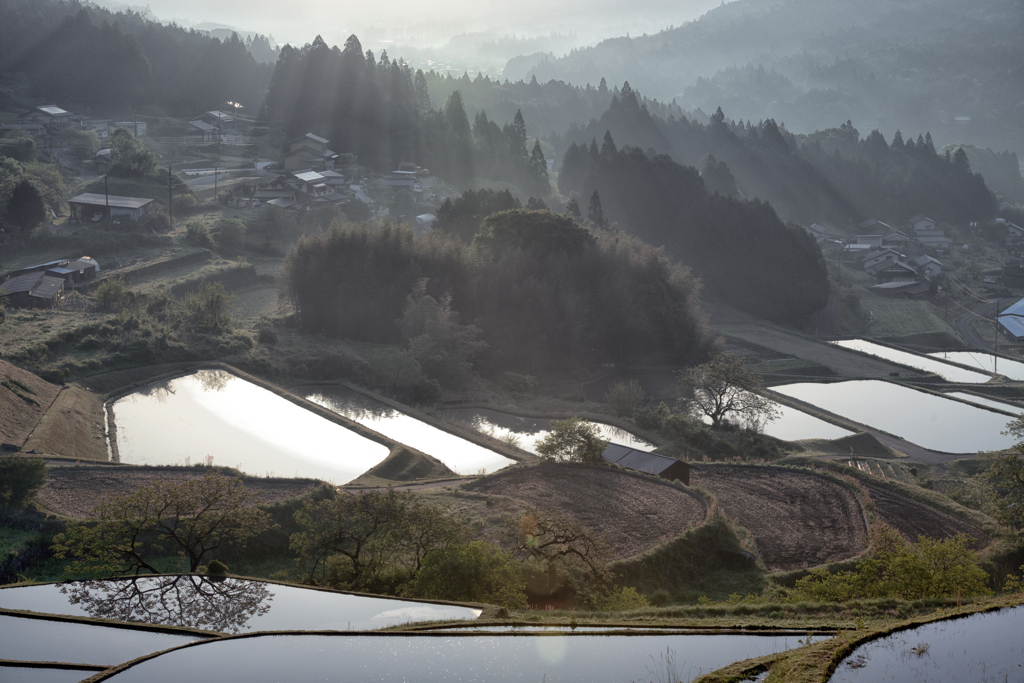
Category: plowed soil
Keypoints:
(913, 519)
(798, 519)
(75, 491)
(634, 513)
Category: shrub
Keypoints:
(625, 397)
(659, 597)
(20, 479)
(112, 294)
(216, 567)
(516, 383)
(473, 572)
(185, 204)
(197, 233)
(622, 600)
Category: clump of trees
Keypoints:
(20, 480)
(190, 518)
(897, 569)
(742, 251)
(543, 291)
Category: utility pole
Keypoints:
(170, 194)
(106, 195)
(995, 343)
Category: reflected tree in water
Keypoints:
(188, 600)
(213, 380)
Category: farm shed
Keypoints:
(88, 206)
(1011, 321)
(34, 290)
(650, 463)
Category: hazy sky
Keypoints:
(407, 20)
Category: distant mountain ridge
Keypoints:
(916, 64)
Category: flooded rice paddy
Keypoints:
(23, 674)
(527, 432)
(457, 454)
(45, 640)
(979, 648)
(919, 417)
(1012, 408)
(985, 361)
(224, 605)
(453, 658)
(211, 414)
(793, 424)
(951, 373)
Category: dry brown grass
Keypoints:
(73, 427)
(24, 398)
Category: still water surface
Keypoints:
(458, 454)
(991, 403)
(793, 424)
(213, 413)
(529, 431)
(925, 419)
(979, 648)
(44, 640)
(228, 605)
(447, 658)
(21, 674)
(985, 361)
(950, 373)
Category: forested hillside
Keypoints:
(810, 63)
(108, 64)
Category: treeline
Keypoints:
(831, 175)
(743, 252)
(87, 57)
(541, 291)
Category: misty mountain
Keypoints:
(810, 63)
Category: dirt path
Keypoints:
(798, 519)
(634, 513)
(842, 362)
(72, 427)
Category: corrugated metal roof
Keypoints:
(21, 283)
(52, 110)
(316, 138)
(47, 287)
(634, 459)
(308, 176)
(91, 199)
(1008, 319)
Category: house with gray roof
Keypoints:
(649, 463)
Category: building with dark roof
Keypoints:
(649, 463)
(87, 206)
(33, 290)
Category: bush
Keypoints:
(625, 397)
(185, 204)
(156, 220)
(197, 233)
(471, 572)
(112, 294)
(516, 383)
(659, 597)
(622, 600)
(20, 479)
(217, 568)
(230, 233)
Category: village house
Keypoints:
(43, 285)
(901, 290)
(876, 257)
(201, 133)
(101, 161)
(928, 266)
(916, 223)
(1011, 322)
(875, 226)
(892, 270)
(309, 152)
(896, 239)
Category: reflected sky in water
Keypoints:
(527, 432)
(447, 658)
(979, 648)
(45, 640)
(948, 372)
(985, 361)
(227, 605)
(925, 419)
(213, 413)
(991, 403)
(793, 424)
(458, 454)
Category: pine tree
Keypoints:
(539, 170)
(572, 210)
(595, 214)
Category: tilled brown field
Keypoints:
(75, 491)
(913, 519)
(797, 518)
(635, 513)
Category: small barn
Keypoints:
(649, 463)
(34, 290)
(91, 207)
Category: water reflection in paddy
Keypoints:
(45, 640)
(946, 371)
(793, 424)
(444, 658)
(981, 647)
(458, 454)
(925, 419)
(213, 413)
(225, 605)
(985, 361)
(527, 432)
(21, 674)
